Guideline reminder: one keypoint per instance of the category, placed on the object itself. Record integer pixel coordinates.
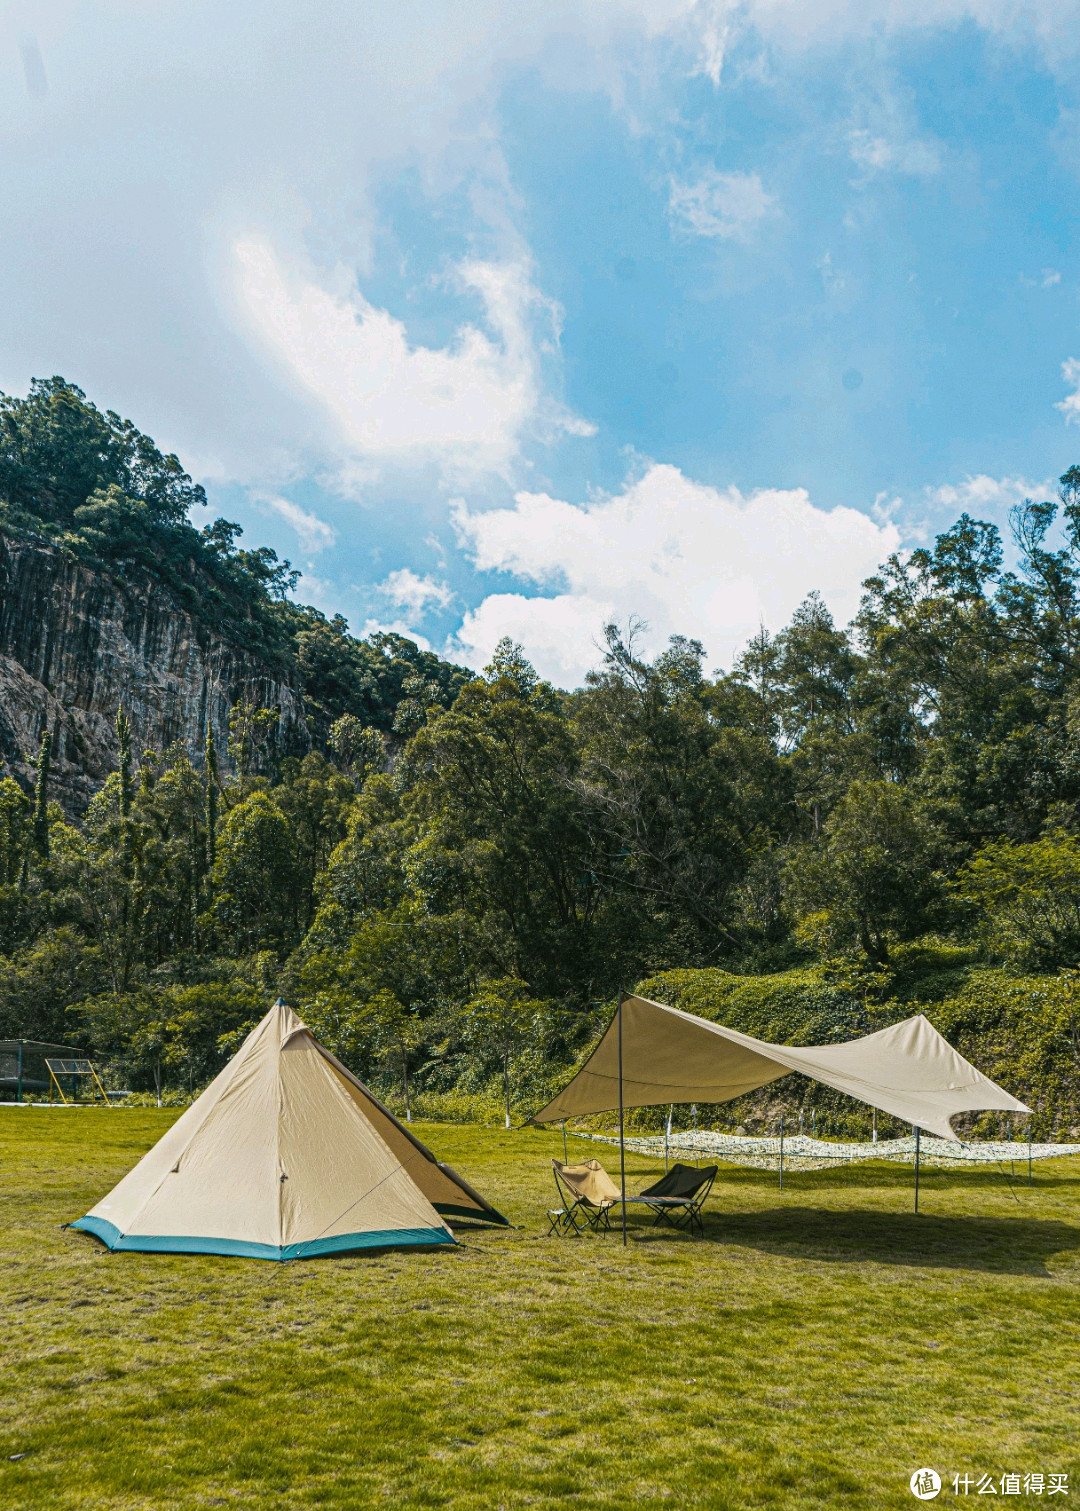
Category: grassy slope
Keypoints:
(813, 1351)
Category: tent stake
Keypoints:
(781, 1151)
(622, 1134)
(916, 1167)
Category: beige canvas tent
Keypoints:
(666, 1056)
(286, 1155)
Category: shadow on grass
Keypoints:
(1005, 1245)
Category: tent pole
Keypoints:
(564, 1158)
(18, 1094)
(781, 1151)
(622, 1132)
(917, 1167)
(1029, 1150)
(667, 1136)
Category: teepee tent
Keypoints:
(286, 1155)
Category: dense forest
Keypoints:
(455, 882)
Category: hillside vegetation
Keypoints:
(844, 826)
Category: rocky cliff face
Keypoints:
(75, 643)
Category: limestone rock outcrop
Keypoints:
(75, 643)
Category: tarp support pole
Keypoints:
(564, 1158)
(781, 1151)
(667, 1136)
(1029, 1149)
(916, 1167)
(18, 1093)
(622, 1132)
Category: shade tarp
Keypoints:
(284, 1155)
(907, 1070)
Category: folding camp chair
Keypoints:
(678, 1198)
(588, 1194)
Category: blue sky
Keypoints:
(510, 320)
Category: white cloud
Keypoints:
(795, 25)
(689, 559)
(834, 280)
(987, 495)
(911, 155)
(394, 627)
(464, 406)
(1048, 278)
(727, 205)
(1070, 404)
(409, 591)
(313, 533)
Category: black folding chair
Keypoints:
(678, 1198)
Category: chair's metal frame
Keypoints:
(579, 1215)
(681, 1212)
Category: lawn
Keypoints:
(813, 1350)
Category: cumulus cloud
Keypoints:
(1070, 404)
(409, 591)
(689, 559)
(313, 533)
(464, 406)
(726, 205)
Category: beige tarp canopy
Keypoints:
(907, 1070)
(284, 1156)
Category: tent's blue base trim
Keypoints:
(394, 1238)
(477, 1214)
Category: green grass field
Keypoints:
(813, 1350)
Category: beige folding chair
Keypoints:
(588, 1194)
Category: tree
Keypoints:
(873, 874)
(41, 797)
(678, 787)
(15, 832)
(211, 787)
(1026, 900)
(360, 749)
(257, 883)
(398, 1033)
(316, 800)
(57, 449)
(251, 729)
(497, 838)
(501, 1020)
(123, 742)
